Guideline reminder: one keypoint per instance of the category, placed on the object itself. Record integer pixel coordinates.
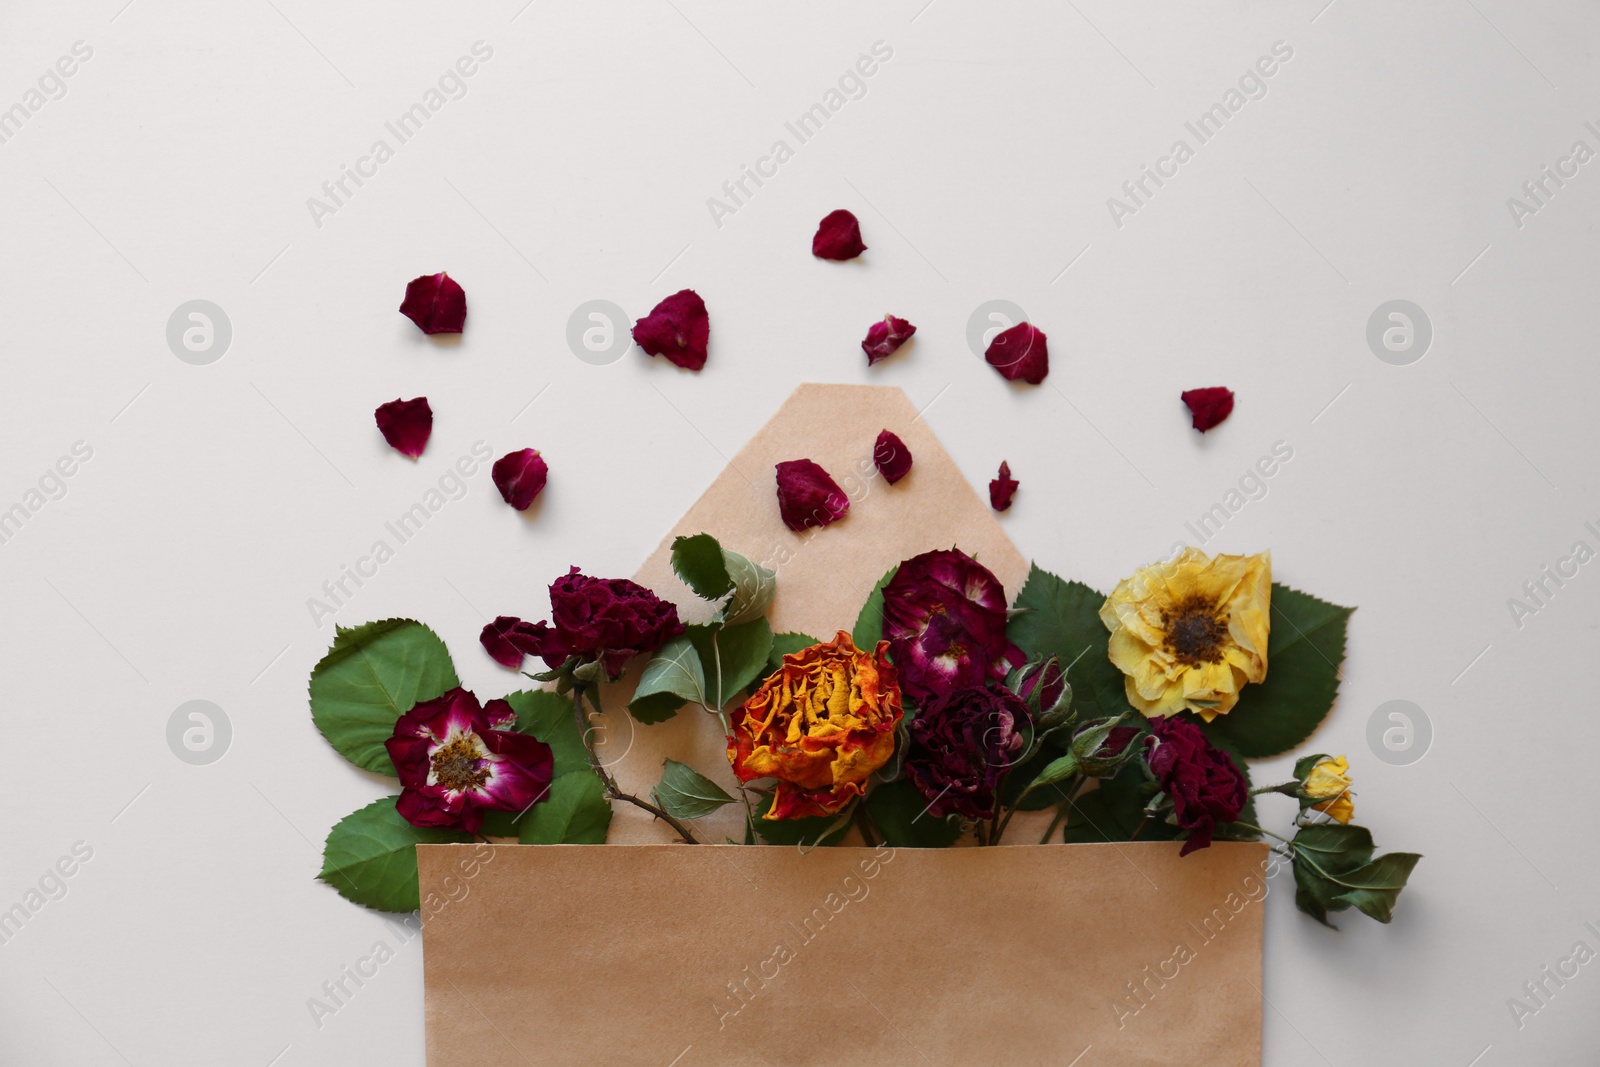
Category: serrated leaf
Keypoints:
(372, 675)
(673, 677)
(548, 717)
(1373, 889)
(1304, 650)
(741, 651)
(576, 812)
(902, 816)
(698, 561)
(868, 630)
(685, 793)
(1054, 617)
(753, 589)
(807, 833)
(370, 856)
(787, 644)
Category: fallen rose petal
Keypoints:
(506, 640)
(838, 236)
(520, 477)
(883, 338)
(1208, 406)
(406, 424)
(436, 303)
(892, 457)
(1003, 488)
(1020, 352)
(677, 328)
(808, 496)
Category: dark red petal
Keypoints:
(1208, 406)
(1003, 488)
(838, 236)
(496, 640)
(520, 477)
(436, 303)
(886, 336)
(677, 328)
(892, 457)
(1020, 352)
(406, 424)
(808, 496)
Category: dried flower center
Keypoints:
(1195, 631)
(460, 766)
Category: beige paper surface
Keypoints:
(694, 956)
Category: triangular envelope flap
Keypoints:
(824, 575)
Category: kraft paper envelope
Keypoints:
(610, 954)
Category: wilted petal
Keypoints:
(838, 236)
(1002, 489)
(1208, 406)
(677, 328)
(884, 337)
(508, 639)
(892, 457)
(1020, 353)
(436, 303)
(520, 477)
(808, 496)
(406, 425)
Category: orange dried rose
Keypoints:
(820, 725)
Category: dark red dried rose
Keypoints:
(1020, 353)
(962, 744)
(892, 457)
(838, 236)
(406, 425)
(677, 328)
(1205, 786)
(808, 495)
(1117, 740)
(606, 619)
(508, 639)
(883, 338)
(520, 476)
(1208, 406)
(944, 616)
(436, 303)
(1003, 488)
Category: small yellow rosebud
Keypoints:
(1329, 782)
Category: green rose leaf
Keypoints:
(372, 675)
(901, 814)
(575, 812)
(548, 717)
(371, 858)
(698, 561)
(685, 793)
(673, 677)
(1058, 618)
(742, 652)
(1114, 810)
(753, 589)
(807, 833)
(1334, 869)
(1304, 651)
(869, 624)
(787, 645)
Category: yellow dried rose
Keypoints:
(1190, 632)
(1329, 782)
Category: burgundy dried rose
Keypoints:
(1002, 489)
(436, 303)
(606, 619)
(520, 477)
(808, 496)
(406, 425)
(1205, 786)
(1020, 353)
(883, 338)
(838, 236)
(944, 616)
(962, 745)
(891, 456)
(677, 328)
(1209, 406)
(457, 760)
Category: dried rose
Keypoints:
(808, 495)
(891, 456)
(436, 303)
(609, 620)
(1020, 353)
(838, 236)
(1207, 407)
(677, 328)
(406, 425)
(944, 615)
(962, 745)
(456, 760)
(520, 477)
(1205, 786)
(1002, 489)
(883, 338)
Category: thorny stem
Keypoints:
(610, 783)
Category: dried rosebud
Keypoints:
(838, 236)
(436, 303)
(892, 457)
(1205, 786)
(884, 338)
(808, 495)
(520, 476)
(677, 328)
(962, 744)
(1002, 489)
(1208, 406)
(1043, 687)
(406, 425)
(1020, 353)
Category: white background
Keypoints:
(577, 166)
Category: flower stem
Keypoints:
(612, 789)
(864, 824)
(1269, 833)
(1061, 815)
